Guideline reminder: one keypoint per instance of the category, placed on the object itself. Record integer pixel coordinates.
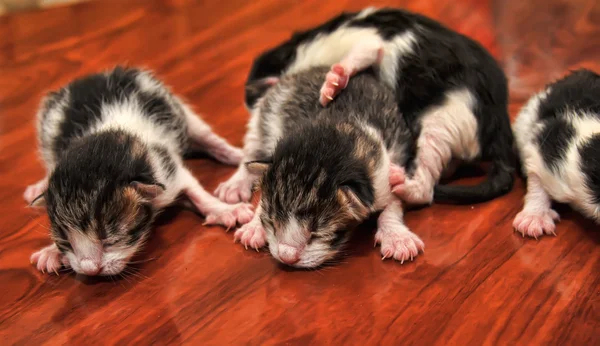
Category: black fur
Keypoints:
(554, 141)
(85, 185)
(579, 90)
(590, 165)
(444, 60)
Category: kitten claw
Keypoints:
(329, 97)
(335, 83)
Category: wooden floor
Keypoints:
(477, 283)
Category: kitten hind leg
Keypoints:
(203, 138)
(448, 131)
(238, 188)
(365, 53)
(537, 217)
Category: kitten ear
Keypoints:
(357, 208)
(39, 201)
(148, 191)
(256, 89)
(258, 167)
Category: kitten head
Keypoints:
(100, 202)
(314, 190)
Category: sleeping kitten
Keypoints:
(558, 137)
(113, 144)
(449, 89)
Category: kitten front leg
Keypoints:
(396, 240)
(253, 233)
(363, 54)
(238, 188)
(48, 259)
(215, 211)
(537, 217)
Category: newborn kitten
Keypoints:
(323, 170)
(558, 137)
(113, 144)
(450, 90)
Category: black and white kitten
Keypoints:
(450, 90)
(113, 144)
(558, 137)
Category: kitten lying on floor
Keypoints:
(558, 137)
(323, 170)
(449, 89)
(113, 145)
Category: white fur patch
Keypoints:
(149, 84)
(328, 49)
(366, 12)
(455, 123)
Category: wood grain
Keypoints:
(477, 283)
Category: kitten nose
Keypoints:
(288, 254)
(89, 267)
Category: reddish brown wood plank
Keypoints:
(477, 283)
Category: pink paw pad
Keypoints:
(231, 215)
(335, 81)
(536, 223)
(47, 260)
(251, 235)
(401, 246)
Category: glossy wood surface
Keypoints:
(477, 283)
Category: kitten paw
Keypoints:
(398, 243)
(413, 192)
(536, 223)
(230, 215)
(251, 235)
(236, 189)
(336, 80)
(48, 259)
(34, 190)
